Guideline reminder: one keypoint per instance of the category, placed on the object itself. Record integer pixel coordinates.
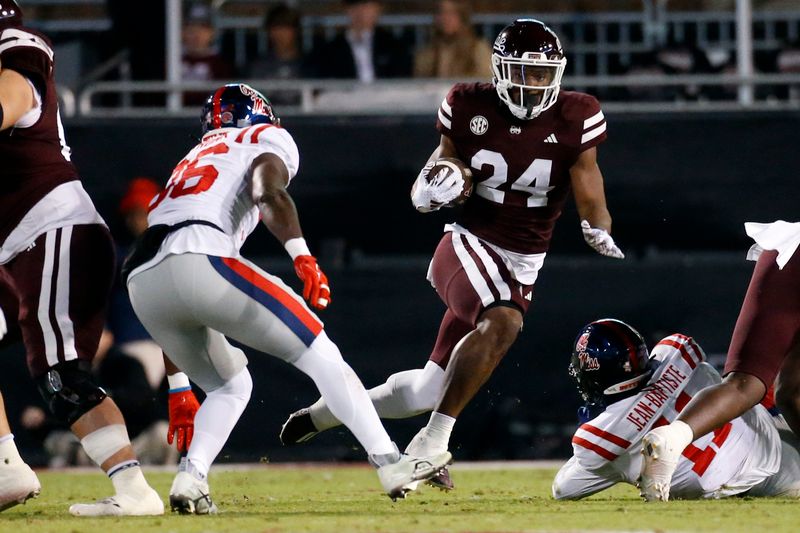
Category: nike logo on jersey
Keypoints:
(551, 139)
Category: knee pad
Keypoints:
(69, 390)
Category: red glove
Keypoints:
(315, 283)
(182, 408)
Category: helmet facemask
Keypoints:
(528, 85)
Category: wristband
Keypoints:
(178, 382)
(295, 247)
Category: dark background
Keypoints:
(679, 187)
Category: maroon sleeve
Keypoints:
(27, 53)
(449, 111)
(591, 122)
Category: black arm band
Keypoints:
(1, 114)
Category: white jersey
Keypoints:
(212, 183)
(731, 460)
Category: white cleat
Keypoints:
(18, 483)
(149, 504)
(403, 476)
(190, 495)
(660, 461)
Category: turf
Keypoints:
(341, 499)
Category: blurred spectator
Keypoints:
(128, 333)
(144, 409)
(284, 59)
(455, 51)
(788, 62)
(673, 59)
(363, 51)
(200, 61)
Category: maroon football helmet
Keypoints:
(10, 14)
(528, 64)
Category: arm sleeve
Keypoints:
(573, 481)
(444, 118)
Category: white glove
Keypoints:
(3, 325)
(430, 195)
(601, 241)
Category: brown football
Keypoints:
(449, 165)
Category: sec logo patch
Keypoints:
(478, 125)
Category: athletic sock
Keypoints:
(434, 438)
(128, 479)
(8, 450)
(680, 433)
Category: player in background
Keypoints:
(528, 144)
(629, 392)
(765, 345)
(191, 288)
(57, 256)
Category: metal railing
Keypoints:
(328, 97)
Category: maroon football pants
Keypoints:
(769, 321)
(470, 277)
(61, 285)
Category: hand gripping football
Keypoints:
(443, 172)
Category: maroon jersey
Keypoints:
(520, 167)
(34, 159)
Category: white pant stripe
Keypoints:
(62, 296)
(474, 275)
(491, 267)
(43, 313)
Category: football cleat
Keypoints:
(442, 480)
(18, 483)
(190, 493)
(403, 476)
(660, 462)
(149, 504)
(298, 428)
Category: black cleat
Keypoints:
(298, 428)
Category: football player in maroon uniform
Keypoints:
(57, 255)
(528, 144)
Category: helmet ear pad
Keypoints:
(609, 362)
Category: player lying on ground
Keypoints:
(765, 344)
(629, 392)
(191, 288)
(527, 145)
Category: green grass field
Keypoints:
(340, 499)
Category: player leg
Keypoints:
(63, 283)
(404, 394)
(765, 333)
(479, 290)
(18, 482)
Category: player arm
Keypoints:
(590, 200)
(269, 178)
(16, 97)
(573, 481)
(422, 196)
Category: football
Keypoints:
(447, 165)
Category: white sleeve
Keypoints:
(31, 116)
(573, 481)
(278, 141)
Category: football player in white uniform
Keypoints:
(191, 288)
(632, 392)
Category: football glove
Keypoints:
(316, 290)
(182, 408)
(601, 241)
(436, 192)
